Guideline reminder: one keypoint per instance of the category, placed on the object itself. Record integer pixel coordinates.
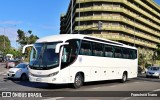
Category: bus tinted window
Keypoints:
(117, 52)
(85, 48)
(133, 54)
(97, 49)
(70, 53)
(126, 53)
(108, 51)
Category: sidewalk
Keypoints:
(3, 70)
(141, 75)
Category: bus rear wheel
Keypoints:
(124, 77)
(78, 81)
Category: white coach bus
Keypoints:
(74, 58)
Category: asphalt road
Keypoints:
(90, 91)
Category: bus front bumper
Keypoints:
(54, 80)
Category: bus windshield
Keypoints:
(43, 56)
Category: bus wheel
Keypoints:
(124, 77)
(78, 81)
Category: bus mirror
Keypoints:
(59, 45)
(24, 48)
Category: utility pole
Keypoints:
(71, 14)
(4, 44)
(79, 18)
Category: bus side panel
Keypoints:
(101, 68)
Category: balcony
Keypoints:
(83, 1)
(100, 8)
(118, 28)
(151, 2)
(146, 6)
(141, 11)
(120, 19)
(123, 38)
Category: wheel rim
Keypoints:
(124, 77)
(78, 81)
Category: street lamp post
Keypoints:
(79, 18)
(71, 14)
(4, 46)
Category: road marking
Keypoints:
(95, 88)
(156, 90)
(112, 86)
(136, 82)
(4, 74)
(3, 88)
(125, 98)
(56, 98)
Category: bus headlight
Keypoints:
(53, 74)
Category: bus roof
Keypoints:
(65, 37)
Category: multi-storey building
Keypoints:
(133, 22)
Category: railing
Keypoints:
(122, 38)
(127, 3)
(100, 8)
(118, 28)
(117, 19)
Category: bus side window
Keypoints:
(133, 54)
(108, 51)
(85, 48)
(97, 49)
(125, 53)
(117, 52)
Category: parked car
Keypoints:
(12, 63)
(19, 72)
(153, 72)
(1, 58)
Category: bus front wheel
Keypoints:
(78, 81)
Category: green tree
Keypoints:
(5, 44)
(158, 52)
(25, 38)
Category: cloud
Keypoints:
(10, 22)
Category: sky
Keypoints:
(40, 16)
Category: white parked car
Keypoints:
(20, 72)
(153, 72)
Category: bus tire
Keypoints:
(78, 81)
(124, 77)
